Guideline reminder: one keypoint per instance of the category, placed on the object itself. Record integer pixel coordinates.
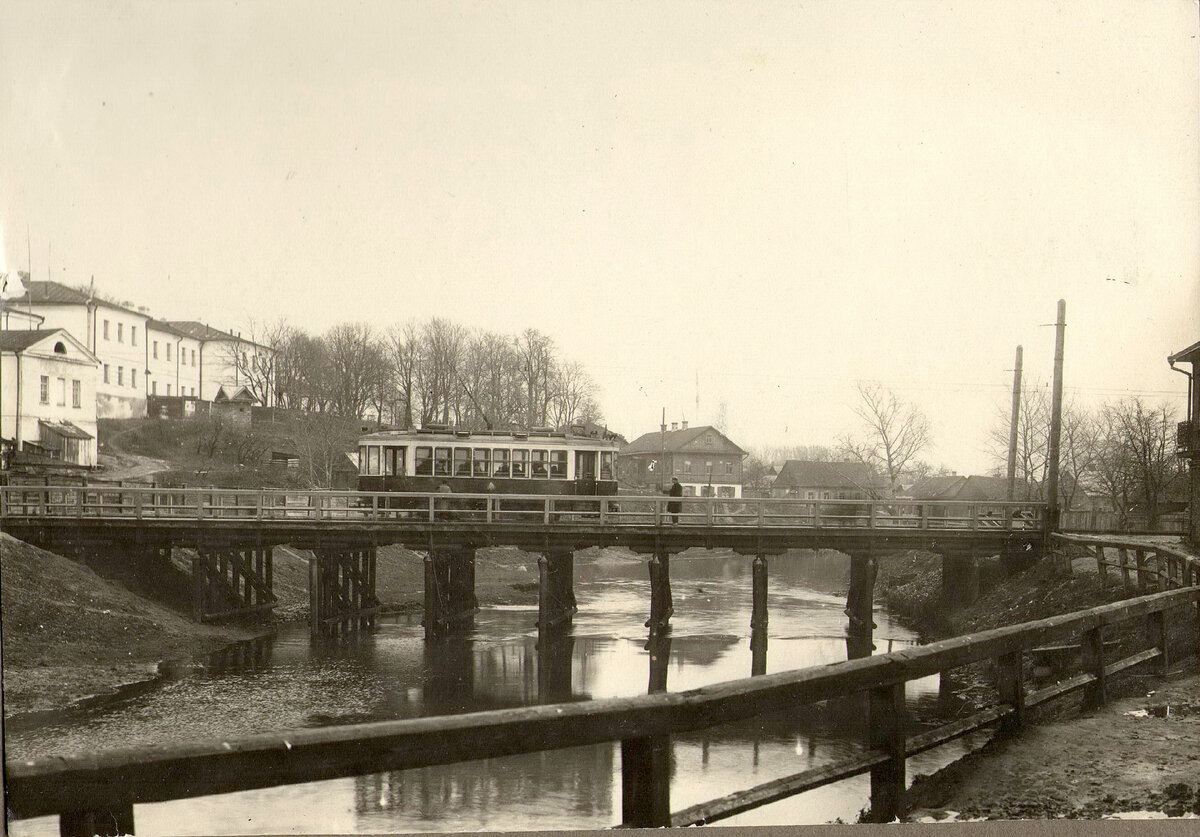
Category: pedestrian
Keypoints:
(673, 505)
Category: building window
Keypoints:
(120, 332)
(62, 392)
(76, 394)
(106, 373)
(133, 335)
(155, 350)
(45, 389)
(120, 376)
(729, 469)
(133, 378)
(168, 351)
(106, 329)
(154, 387)
(687, 466)
(168, 390)
(193, 392)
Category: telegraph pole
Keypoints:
(1052, 510)
(1012, 429)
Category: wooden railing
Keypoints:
(86, 788)
(203, 504)
(1142, 563)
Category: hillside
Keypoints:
(67, 633)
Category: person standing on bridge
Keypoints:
(674, 505)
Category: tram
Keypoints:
(540, 461)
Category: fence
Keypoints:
(88, 788)
(142, 503)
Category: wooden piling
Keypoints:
(1010, 687)
(661, 604)
(1156, 634)
(860, 605)
(646, 782)
(108, 822)
(887, 734)
(659, 646)
(1095, 694)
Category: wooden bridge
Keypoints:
(232, 534)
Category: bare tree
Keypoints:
(895, 432)
(1137, 457)
(356, 359)
(404, 351)
(573, 395)
(253, 358)
(536, 351)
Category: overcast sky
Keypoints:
(748, 204)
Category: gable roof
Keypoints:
(1189, 355)
(676, 441)
(944, 487)
(801, 473)
(956, 487)
(241, 395)
(19, 340)
(205, 333)
(49, 292)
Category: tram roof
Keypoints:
(557, 437)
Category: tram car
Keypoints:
(540, 461)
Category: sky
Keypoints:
(719, 208)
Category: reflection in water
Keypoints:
(287, 682)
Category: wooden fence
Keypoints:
(348, 507)
(85, 789)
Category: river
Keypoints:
(287, 682)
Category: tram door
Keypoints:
(585, 471)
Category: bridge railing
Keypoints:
(92, 787)
(210, 504)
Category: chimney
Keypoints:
(684, 425)
(674, 425)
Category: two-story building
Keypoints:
(48, 395)
(228, 361)
(703, 459)
(140, 355)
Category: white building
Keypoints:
(48, 383)
(229, 361)
(140, 355)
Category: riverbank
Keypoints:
(69, 634)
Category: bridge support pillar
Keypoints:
(887, 734)
(341, 587)
(231, 580)
(659, 646)
(556, 593)
(646, 782)
(554, 655)
(661, 603)
(860, 606)
(960, 580)
(758, 617)
(450, 603)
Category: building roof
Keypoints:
(1189, 355)
(17, 340)
(48, 292)
(65, 429)
(800, 473)
(240, 395)
(680, 441)
(164, 326)
(957, 487)
(205, 333)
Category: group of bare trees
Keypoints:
(1121, 451)
(436, 371)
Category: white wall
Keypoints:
(24, 383)
(178, 373)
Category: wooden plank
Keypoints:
(1059, 689)
(887, 735)
(949, 732)
(773, 791)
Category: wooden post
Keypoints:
(1139, 556)
(433, 609)
(554, 668)
(758, 609)
(887, 734)
(1010, 684)
(646, 782)
(1123, 557)
(860, 606)
(661, 605)
(1092, 652)
(758, 651)
(659, 646)
(107, 822)
(199, 581)
(1101, 568)
(1156, 633)
(315, 595)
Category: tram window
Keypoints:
(606, 465)
(423, 462)
(462, 462)
(441, 462)
(500, 463)
(483, 462)
(558, 464)
(373, 459)
(520, 464)
(393, 461)
(537, 464)
(362, 459)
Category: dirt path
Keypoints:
(1136, 754)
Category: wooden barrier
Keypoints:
(86, 787)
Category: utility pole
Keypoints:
(1012, 429)
(1052, 510)
(662, 450)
